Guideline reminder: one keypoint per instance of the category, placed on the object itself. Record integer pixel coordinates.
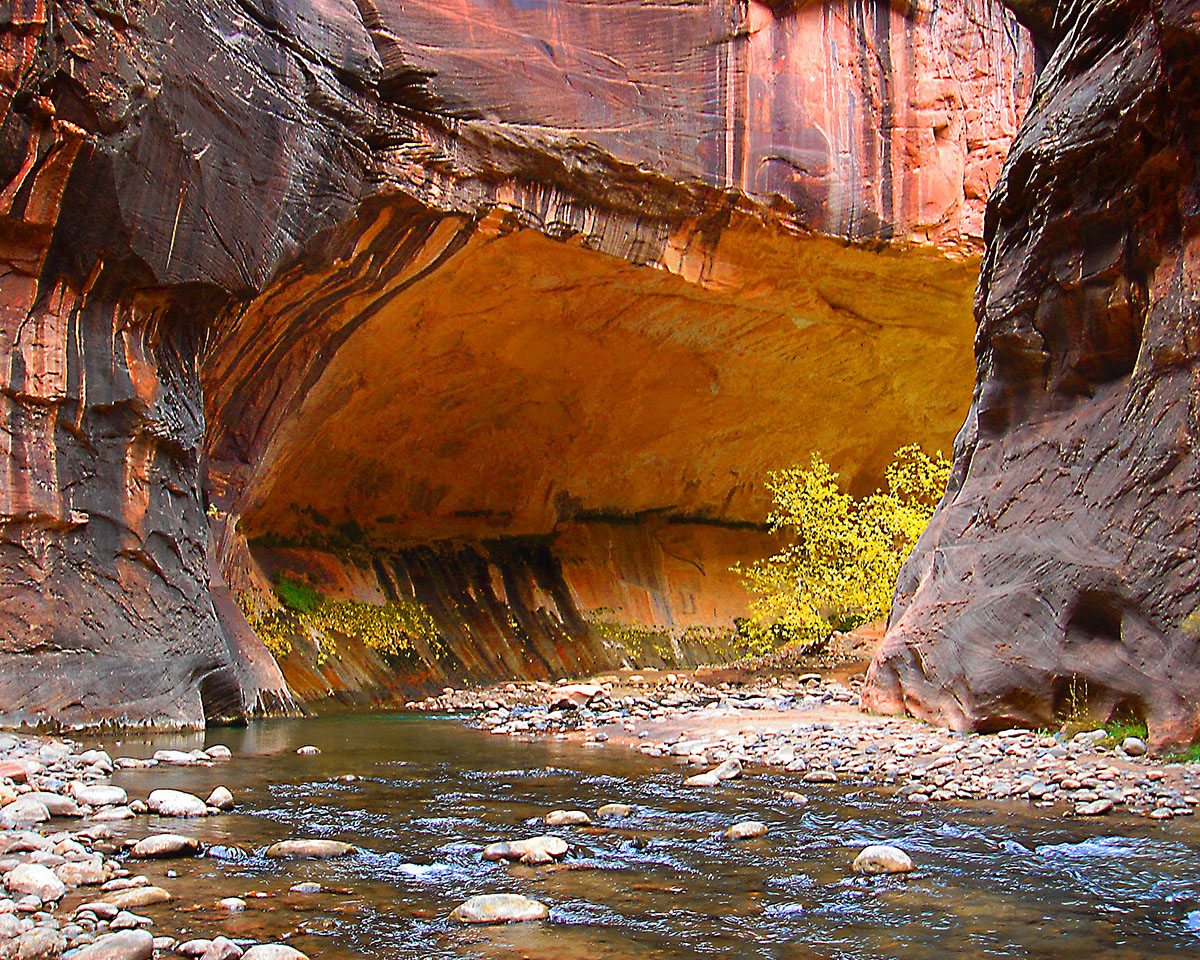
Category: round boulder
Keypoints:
(33, 879)
(163, 846)
(310, 849)
(176, 803)
(126, 945)
(499, 908)
(881, 858)
(746, 830)
(567, 818)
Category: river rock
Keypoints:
(882, 858)
(1134, 746)
(221, 798)
(232, 904)
(41, 943)
(566, 818)
(310, 849)
(273, 951)
(193, 948)
(25, 810)
(162, 846)
(308, 751)
(729, 769)
(1094, 808)
(134, 897)
(176, 803)
(125, 945)
(221, 948)
(124, 920)
(746, 830)
(98, 795)
(535, 848)
(36, 880)
(615, 810)
(573, 695)
(702, 780)
(58, 804)
(112, 814)
(499, 908)
(82, 873)
(101, 909)
(218, 751)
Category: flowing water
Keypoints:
(991, 881)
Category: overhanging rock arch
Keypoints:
(200, 232)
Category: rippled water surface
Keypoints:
(991, 881)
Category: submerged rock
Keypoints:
(144, 896)
(499, 908)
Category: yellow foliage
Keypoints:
(841, 568)
(388, 627)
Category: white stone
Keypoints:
(882, 858)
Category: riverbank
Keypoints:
(810, 724)
(80, 892)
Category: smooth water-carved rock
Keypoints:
(1061, 568)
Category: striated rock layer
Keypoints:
(374, 277)
(1060, 575)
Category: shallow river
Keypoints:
(990, 881)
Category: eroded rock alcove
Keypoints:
(505, 309)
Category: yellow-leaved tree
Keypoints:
(840, 568)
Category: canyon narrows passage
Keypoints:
(499, 313)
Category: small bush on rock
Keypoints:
(840, 569)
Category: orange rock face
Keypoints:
(380, 278)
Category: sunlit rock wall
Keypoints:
(445, 273)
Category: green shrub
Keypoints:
(297, 595)
(840, 569)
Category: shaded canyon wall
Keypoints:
(1060, 572)
(365, 279)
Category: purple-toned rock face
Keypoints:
(1060, 572)
(505, 308)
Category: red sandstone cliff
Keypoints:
(442, 270)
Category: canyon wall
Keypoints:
(1059, 578)
(357, 280)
